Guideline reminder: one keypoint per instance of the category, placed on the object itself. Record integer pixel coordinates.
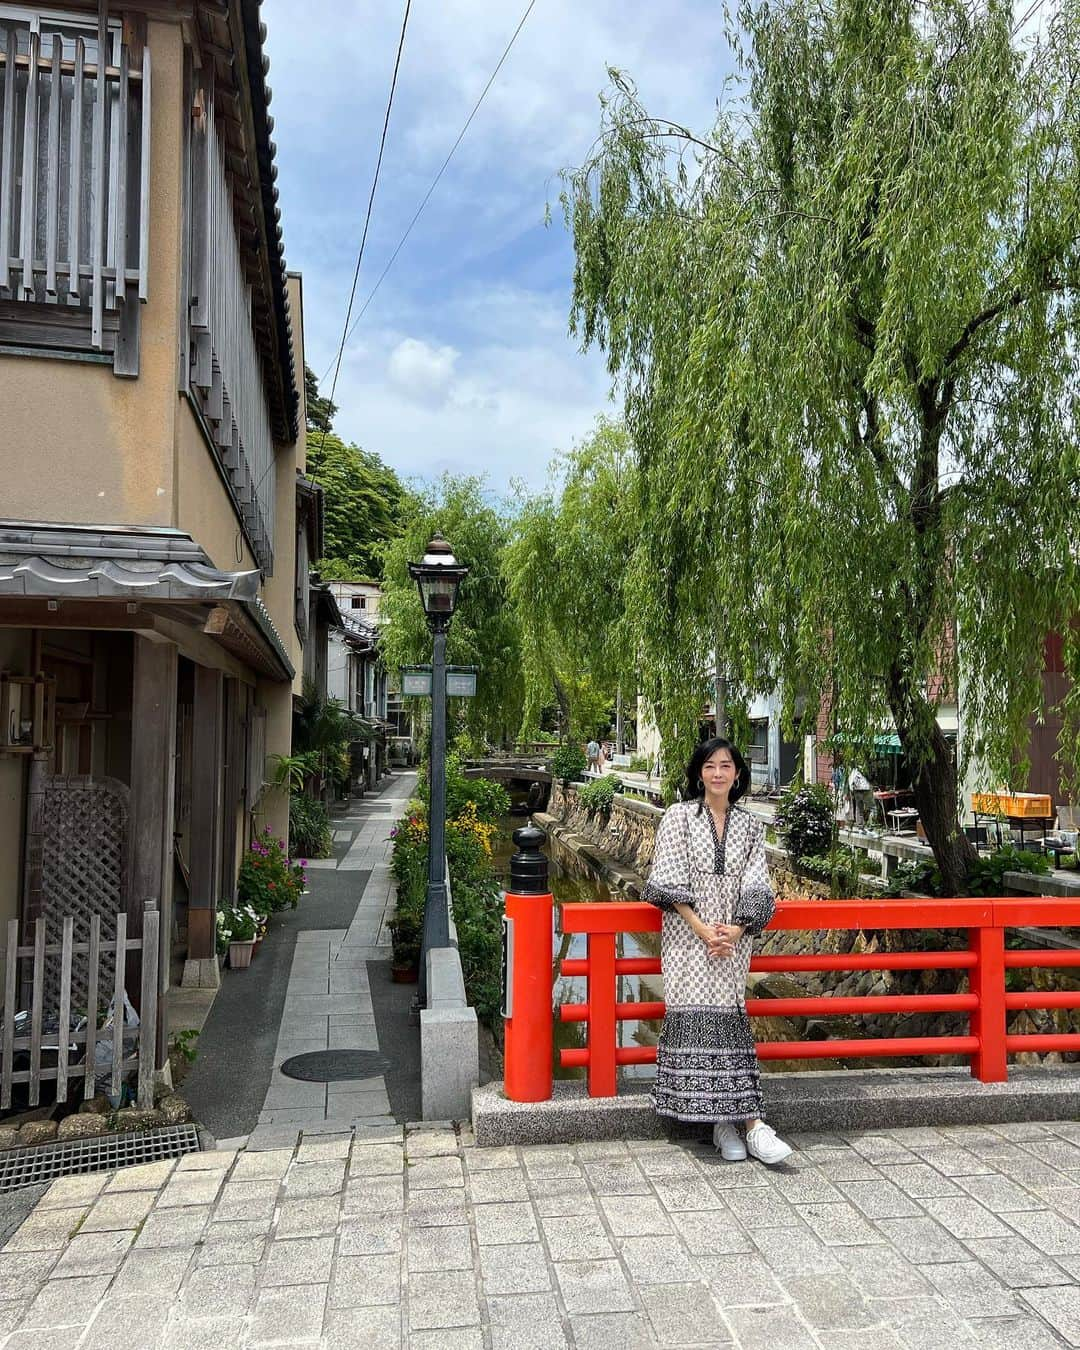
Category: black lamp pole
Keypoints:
(438, 578)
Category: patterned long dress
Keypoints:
(706, 1065)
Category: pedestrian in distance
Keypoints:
(710, 878)
(592, 755)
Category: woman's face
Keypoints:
(719, 773)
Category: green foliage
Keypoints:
(841, 869)
(484, 632)
(292, 771)
(987, 876)
(269, 881)
(565, 566)
(805, 821)
(320, 411)
(239, 923)
(364, 503)
(599, 793)
(183, 1044)
(922, 877)
(310, 835)
(844, 324)
(568, 762)
(323, 730)
(640, 764)
(1069, 860)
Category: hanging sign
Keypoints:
(460, 681)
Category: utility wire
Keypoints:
(336, 365)
(434, 184)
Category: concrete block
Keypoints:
(201, 974)
(449, 1061)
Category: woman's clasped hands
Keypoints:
(720, 938)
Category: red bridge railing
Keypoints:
(986, 959)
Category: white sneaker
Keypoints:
(762, 1143)
(729, 1141)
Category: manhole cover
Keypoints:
(335, 1066)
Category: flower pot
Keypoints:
(240, 954)
(256, 945)
(404, 974)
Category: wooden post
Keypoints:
(153, 773)
(603, 1073)
(206, 754)
(989, 1063)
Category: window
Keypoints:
(359, 602)
(74, 241)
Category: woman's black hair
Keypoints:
(695, 790)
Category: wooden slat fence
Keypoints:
(75, 1050)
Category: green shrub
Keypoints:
(840, 869)
(1069, 860)
(599, 793)
(923, 877)
(491, 799)
(310, 835)
(568, 762)
(805, 821)
(987, 874)
(639, 764)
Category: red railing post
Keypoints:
(602, 986)
(527, 939)
(989, 1063)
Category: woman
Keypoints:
(710, 879)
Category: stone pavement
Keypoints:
(917, 1238)
(328, 1001)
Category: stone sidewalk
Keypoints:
(925, 1239)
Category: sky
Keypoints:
(463, 362)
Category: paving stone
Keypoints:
(789, 1251)
(434, 1173)
(63, 1339)
(875, 1338)
(362, 1329)
(191, 1188)
(143, 1177)
(657, 1260)
(1015, 1262)
(769, 1328)
(247, 1200)
(739, 1281)
(840, 1225)
(448, 1338)
(547, 1162)
(431, 1143)
(804, 1186)
(921, 1240)
(86, 1254)
(46, 1230)
(319, 1178)
(579, 1238)
(158, 1271)
(629, 1215)
(847, 1166)
(438, 1207)
(374, 1195)
(881, 1272)
(65, 1303)
(307, 1218)
(173, 1227)
(912, 1135)
(329, 1149)
(1064, 1199)
(830, 1302)
(298, 1261)
(373, 1160)
(1026, 1169)
(666, 1164)
(1057, 1153)
(1010, 1333)
(593, 1286)
(288, 1313)
(525, 1322)
(117, 1211)
(706, 1233)
(448, 1248)
(227, 1290)
(268, 1163)
(11, 1314)
(965, 1218)
(130, 1322)
(764, 1208)
(213, 1160)
(954, 1162)
(491, 1159)
(880, 1199)
(518, 1268)
(612, 1331)
(880, 1148)
(443, 1298)
(921, 1181)
(999, 1194)
(363, 1281)
(562, 1196)
(971, 1290)
(684, 1314)
(496, 1187)
(926, 1323)
(67, 1192)
(1047, 1231)
(497, 1224)
(616, 1178)
(687, 1193)
(370, 1235)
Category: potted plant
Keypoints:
(242, 926)
(406, 937)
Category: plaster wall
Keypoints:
(203, 506)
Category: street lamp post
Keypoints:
(438, 577)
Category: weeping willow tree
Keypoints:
(565, 567)
(844, 323)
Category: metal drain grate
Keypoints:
(45, 1162)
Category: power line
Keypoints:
(434, 184)
(367, 217)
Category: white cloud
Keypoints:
(422, 372)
